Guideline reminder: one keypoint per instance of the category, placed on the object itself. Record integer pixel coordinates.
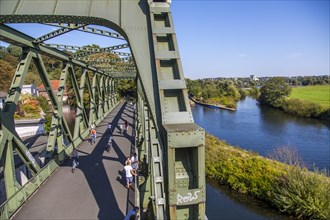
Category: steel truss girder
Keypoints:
(184, 140)
(92, 30)
(83, 54)
(132, 25)
(155, 52)
(87, 49)
(115, 67)
(9, 140)
(121, 75)
(59, 128)
(152, 190)
(119, 60)
(17, 38)
(56, 33)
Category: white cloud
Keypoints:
(242, 55)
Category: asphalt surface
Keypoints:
(96, 190)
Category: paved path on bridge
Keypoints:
(96, 189)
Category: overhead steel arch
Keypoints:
(129, 18)
(169, 142)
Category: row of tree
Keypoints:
(274, 91)
(221, 91)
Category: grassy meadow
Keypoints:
(318, 94)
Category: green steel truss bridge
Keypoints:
(171, 144)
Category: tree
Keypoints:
(274, 91)
(14, 50)
(126, 87)
(194, 88)
(6, 75)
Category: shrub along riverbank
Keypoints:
(291, 189)
(309, 101)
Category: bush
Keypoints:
(302, 108)
(243, 171)
(303, 194)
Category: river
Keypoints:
(260, 129)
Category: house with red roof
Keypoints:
(55, 84)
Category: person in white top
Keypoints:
(93, 126)
(121, 127)
(129, 174)
(134, 162)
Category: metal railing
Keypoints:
(12, 204)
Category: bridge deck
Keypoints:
(96, 189)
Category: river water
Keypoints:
(260, 129)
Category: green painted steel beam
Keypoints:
(87, 49)
(131, 75)
(132, 25)
(119, 60)
(92, 30)
(109, 51)
(15, 37)
(56, 33)
(148, 28)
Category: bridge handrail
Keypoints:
(9, 207)
(12, 204)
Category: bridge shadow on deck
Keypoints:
(93, 187)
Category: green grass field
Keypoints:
(318, 94)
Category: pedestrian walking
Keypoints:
(135, 162)
(75, 160)
(129, 174)
(132, 214)
(126, 126)
(109, 144)
(110, 128)
(121, 127)
(93, 136)
(128, 160)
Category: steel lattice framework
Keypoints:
(169, 142)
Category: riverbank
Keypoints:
(216, 106)
(304, 101)
(290, 189)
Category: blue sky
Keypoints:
(241, 38)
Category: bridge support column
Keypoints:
(183, 140)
